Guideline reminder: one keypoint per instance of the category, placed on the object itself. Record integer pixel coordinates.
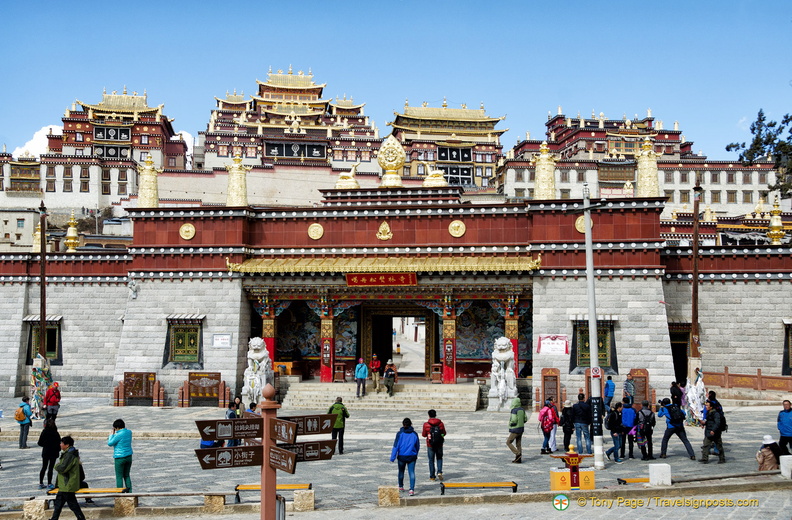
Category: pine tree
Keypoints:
(771, 139)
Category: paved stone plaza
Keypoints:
(164, 439)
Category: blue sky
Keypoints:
(709, 65)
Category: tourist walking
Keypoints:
(675, 425)
(581, 413)
(434, 431)
(712, 434)
(629, 389)
(405, 450)
(769, 454)
(231, 413)
(614, 423)
(68, 469)
(52, 400)
(610, 390)
(516, 429)
(567, 423)
(341, 414)
(361, 374)
(375, 366)
(49, 440)
(23, 418)
(785, 426)
(121, 441)
(552, 446)
(548, 419)
(646, 423)
(390, 376)
(628, 425)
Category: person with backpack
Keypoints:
(713, 429)
(516, 429)
(341, 414)
(567, 423)
(406, 446)
(434, 431)
(646, 424)
(68, 469)
(390, 377)
(614, 423)
(628, 426)
(52, 400)
(548, 419)
(675, 425)
(23, 416)
(676, 394)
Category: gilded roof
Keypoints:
(346, 103)
(121, 103)
(289, 80)
(390, 264)
(459, 114)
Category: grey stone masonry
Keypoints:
(640, 326)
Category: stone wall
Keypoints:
(142, 342)
(741, 322)
(13, 340)
(640, 327)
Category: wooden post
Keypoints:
(269, 411)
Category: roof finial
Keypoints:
(125, 91)
(445, 102)
(406, 102)
(481, 105)
(104, 90)
(560, 112)
(290, 69)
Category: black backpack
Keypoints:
(647, 421)
(723, 426)
(435, 436)
(676, 415)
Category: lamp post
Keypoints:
(596, 397)
(694, 360)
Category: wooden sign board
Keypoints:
(139, 388)
(230, 429)
(551, 384)
(235, 457)
(204, 388)
(641, 380)
(281, 459)
(282, 431)
(313, 424)
(312, 450)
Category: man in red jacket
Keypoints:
(434, 431)
(52, 401)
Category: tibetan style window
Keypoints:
(684, 197)
(580, 358)
(715, 178)
(566, 194)
(50, 186)
(338, 155)
(84, 173)
(581, 176)
(78, 137)
(731, 197)
(105, 188)
(519, 175)
(683, 177)
(786, 364)
(715, 197)
(67, 186)
(250, 151)
(237, 150)
(172, 161)
(669, 195)
(762, 178)
(67, 172)
(105, 174)
(144, 139)
(122, 188)
(50, 172)
(365, 156)
(731, 177)
(184, 342)
(222, 150)
(747, 177)
(84, 187)
(53, 342)
(564, 175)
(747, 197)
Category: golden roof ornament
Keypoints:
(347, 181)
(776, 228)
(435, 179)
(709, 216)
(648, 183)
(37, 238)
(72, 238)
(148, 190)
(237, 182)
(384, 232)
(544, 186)
(391, 158)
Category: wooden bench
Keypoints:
(91, 491)
(278, 487)
(636, 480)
(444, 485)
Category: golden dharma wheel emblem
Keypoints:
(187, 231)
(580, 225)
(457, 228)
(315, 231)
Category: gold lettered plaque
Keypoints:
(315, 231)
(580, 225)
(187, 231)
(457, 228)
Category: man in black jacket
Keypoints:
(712, 434)
(581, 414)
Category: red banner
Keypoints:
(380, 279)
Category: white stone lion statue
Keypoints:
(258, 372)
(503, 385)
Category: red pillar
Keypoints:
(328, 349)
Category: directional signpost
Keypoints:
(265, 453)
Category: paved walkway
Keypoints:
(164, 439)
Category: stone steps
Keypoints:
(407, 396)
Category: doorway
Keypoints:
(680, 341)
(404, 333)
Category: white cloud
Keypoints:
(38, 143)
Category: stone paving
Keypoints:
(164, 460)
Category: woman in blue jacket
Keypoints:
(121, 440)
(405, 450)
